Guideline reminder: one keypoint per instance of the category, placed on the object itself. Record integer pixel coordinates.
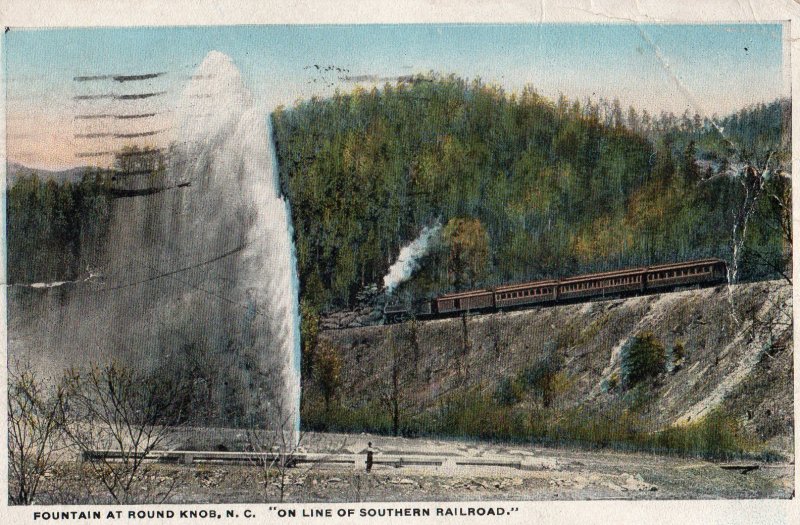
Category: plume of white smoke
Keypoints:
(407, 262)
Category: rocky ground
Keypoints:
(548, 474)
(736, 341)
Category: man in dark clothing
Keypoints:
(369, 456)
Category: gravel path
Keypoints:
(547, 474)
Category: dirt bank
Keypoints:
(736, 347)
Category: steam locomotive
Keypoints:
(664, 277)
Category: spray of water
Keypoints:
(228, 151)
(204, 268)
(408, 260)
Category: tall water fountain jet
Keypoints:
(198, 273)
(224, 149)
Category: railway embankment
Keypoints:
(715, 376)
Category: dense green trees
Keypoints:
(55, 231)
(468, 246)
(539, 188)
(558, 187)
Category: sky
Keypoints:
(706, 69)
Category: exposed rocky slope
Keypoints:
(737, 356)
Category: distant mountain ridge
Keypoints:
(15, 170)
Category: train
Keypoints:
(618, 283)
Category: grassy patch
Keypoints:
(489, 416)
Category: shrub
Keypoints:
(508, 392)
(543, 376)
(643, 357)
(717, 435)
(35, 425)
(613, 381)
(678, 352)
(327, 371)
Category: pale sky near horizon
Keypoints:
(716, 68)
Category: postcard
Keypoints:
(428, 269)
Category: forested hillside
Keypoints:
(524, 186)
(55, 231)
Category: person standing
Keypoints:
(369, 456)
